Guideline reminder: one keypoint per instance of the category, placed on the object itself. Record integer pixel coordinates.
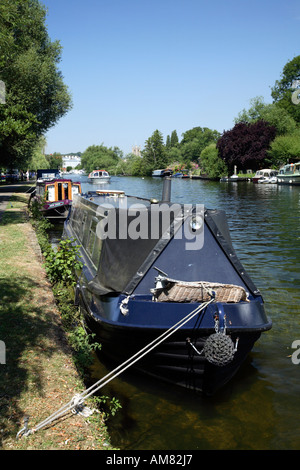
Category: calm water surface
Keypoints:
(260, 407)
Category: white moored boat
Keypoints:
(264, 176)
(98, 176)
(289, 174)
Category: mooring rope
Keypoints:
(29, 189)
(77, 401)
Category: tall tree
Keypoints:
(284, 88)
(36, 96)
(168, 142)
(154, 153)
(174, 139)
(245, 145)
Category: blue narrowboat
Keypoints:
(161, 283)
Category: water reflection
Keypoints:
(155, 417)
(259, 408)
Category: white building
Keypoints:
(70, 160)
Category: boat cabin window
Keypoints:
(288, 169)
(75, 189)
(51, 192)
(94, 243)
(84, 223)
(62, 191)
(66, 190)
(78, 222)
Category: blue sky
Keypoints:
(134, 66)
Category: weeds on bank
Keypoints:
(61, 265)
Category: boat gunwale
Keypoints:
(157, 329)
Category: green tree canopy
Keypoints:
(100, 157)
(55, 160)
(272, 113)
(285, 148)
(131, 165)
(283, 89)
(195, 140)
(174, 155)
(36, 96)
(38, 160)
(211, 163)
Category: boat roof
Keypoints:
(47, 173)
(125, 260)
(110, 198)
(291, 164)
(56, 180)
(265, 169)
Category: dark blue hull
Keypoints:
(178, 360)
(137, 285)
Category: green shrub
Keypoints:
(61, 265)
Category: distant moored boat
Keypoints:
(97, 176)
(289, 174)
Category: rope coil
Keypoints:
(219, 349)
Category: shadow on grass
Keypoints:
(25, 330)
(12, 218)
(10, 215)
(20, 187)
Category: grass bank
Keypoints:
(39, 375)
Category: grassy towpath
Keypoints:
(38, 375)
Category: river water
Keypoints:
(260, 408)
